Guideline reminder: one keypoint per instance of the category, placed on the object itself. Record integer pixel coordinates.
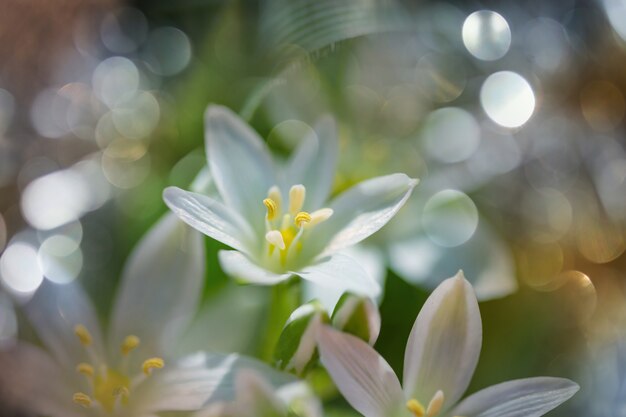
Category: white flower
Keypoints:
(440, 359)
(135, 373)
(255, 397)
(277, 218)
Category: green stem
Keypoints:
(285, 298)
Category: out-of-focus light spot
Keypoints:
(55, 199)
(450, 218)
(72, 231)
(546, 44)
(124, 30)
(115, 80)
(7, 109)
(507, 98)
(137, 117)
(610, 181)
(8, 321)
(441, 77)
(451, 134)
(402, 111)
(497, 154)
(48, 114)
(168, 51)
(364, 101)
(577, 295)
(599, 240)
(550, 212)
(289, 134)
(126, 163)
(602, 105)
(82, 109)
(60, 259)
(540, 264)
(19, 268)
(616, 12)
(486, 35)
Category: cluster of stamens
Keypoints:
(285, 230)
(433, 409)
(110, 388)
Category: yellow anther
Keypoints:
(435, 405)
(122, 392)
(152, 363)
(82, 399)
(272, 208)
(83, 335)
(416, 408)
(275, 238)
(302, 218)
(297, 194)
(129, 344)
(321, 215)
(85, 369)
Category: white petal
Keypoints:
(240, 163)
(31, 379)
(360, 212)
(363, 377)
(532, 397)
(239, 266)
(200, 380)
(160, 288)
(484, 259)
(314, 163)
(256, 397)
(210, 217)
(54, 311)
(370, 258)
(444, 344)
(341, 273)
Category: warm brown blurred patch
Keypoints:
(32, 32)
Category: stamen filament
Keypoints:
(416, 408)
(297, 194)
(83, 399)
(275, 238)
(152, 363)
(434, 406)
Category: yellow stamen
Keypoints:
(129, 344)
(321, 215)
(152, 363)
(302, 218)
(275, 194)
(122, 392)
(275, 238)
(82, 399)
(83, 335)
(434, 406)
(85, 369)
(416, 408)
(272, 208)
(297, 194)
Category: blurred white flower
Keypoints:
(255, 397)
(277, 218)
(136, 372)
(440, 359)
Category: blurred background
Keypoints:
(511, 114)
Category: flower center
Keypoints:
(285, 231)
(110, 387)
(433, 409)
